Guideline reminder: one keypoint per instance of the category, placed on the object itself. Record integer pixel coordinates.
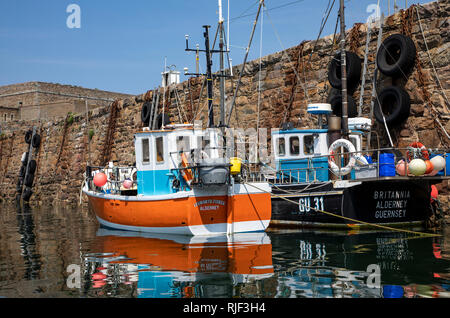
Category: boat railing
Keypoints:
(360, 171)
(115, 175)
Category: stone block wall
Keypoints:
(36, 96)
(289, 82)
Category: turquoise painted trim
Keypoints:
(320, 166)
(159, 182)
(155, 182)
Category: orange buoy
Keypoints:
(99, 276)
(430, 167)
(434, 192)
(127, 184)
(100, 179)
(402, 168)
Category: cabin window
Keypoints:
(294, 144)
(281, 147)
(159, 149)
(145, 151)
(308, 145)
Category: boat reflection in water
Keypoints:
(323, 264)
(276, 264)
(178, 266)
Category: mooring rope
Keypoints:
(350, 219)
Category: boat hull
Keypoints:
(222, 212)
(387, 202)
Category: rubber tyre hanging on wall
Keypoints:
(336, 105)
(396, 56)
(29, 180)
(145, 114)
(395, 105)
(28, 136)
(159, 120)
(27, 193)
(32, 167)
(36, 141)
(19, 186)
(353, 71)
(22, 171)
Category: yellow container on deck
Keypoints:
(235, 165)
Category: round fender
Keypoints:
(145, 113)
(394, 104)
(353, 71)
(36, 141)
(396, 56)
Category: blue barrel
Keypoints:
(387, 165)
(369, 159)
(392, 291)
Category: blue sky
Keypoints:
(121, 45)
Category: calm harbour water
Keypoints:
(58, 252)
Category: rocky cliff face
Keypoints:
(288, 81)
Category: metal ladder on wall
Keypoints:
(365, 68)
(373, 94)
(154, 109)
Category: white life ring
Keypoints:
(349, 148)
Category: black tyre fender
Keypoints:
(36, 141)
(29, 180)
(353, 71)
(22, 171)
(335, 100)
(394, 103)
(28, 136)
(32, 167)
(159, 120)
(145, 113)
(27, 193)
(396, 56)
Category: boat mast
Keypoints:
(209, 79)
(343, 74)
(222, 74)
(209, 76)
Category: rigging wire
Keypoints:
(267, 9)
(260, 69)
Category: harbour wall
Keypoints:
(287, 82)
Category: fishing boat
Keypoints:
(313, 187)
(182, 183)
(332, 176)
(175, 194)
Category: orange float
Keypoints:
(430, 167)
(100, 179)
